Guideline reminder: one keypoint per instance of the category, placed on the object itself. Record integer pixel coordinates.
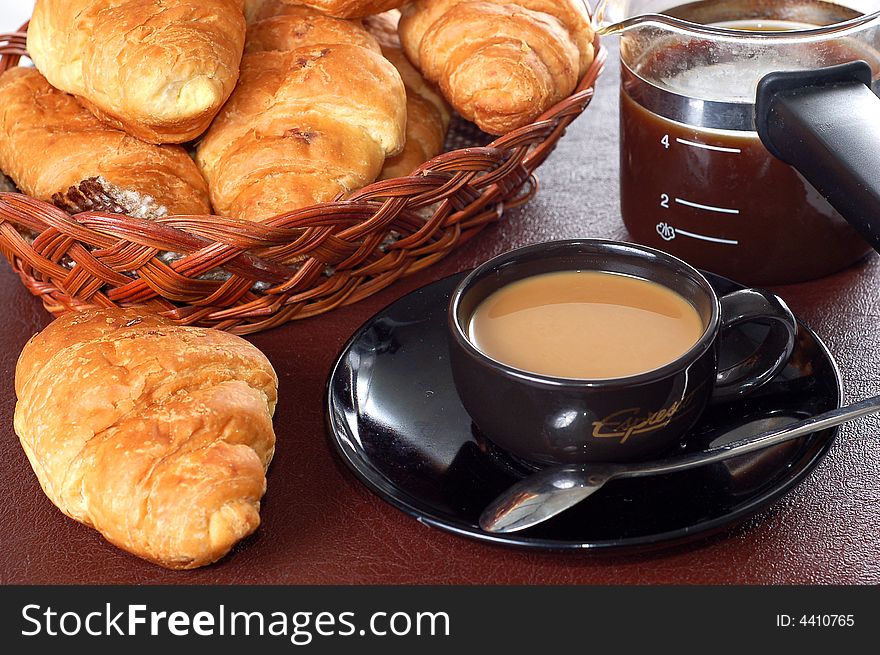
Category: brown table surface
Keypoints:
(320, 525)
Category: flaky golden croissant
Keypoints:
(56, 150)
(338, 8)
(316, 112)
(159, 69)
(156, 435)
(500, 64)
(427, 113)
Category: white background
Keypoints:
(13, 13)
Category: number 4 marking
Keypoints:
(665, 141)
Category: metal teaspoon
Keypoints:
(545, 494)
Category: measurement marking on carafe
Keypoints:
(706, 146)
(710, 208)
(668, 233)
(703, 237)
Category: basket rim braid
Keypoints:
(295, 265)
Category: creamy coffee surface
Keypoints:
(585, 324)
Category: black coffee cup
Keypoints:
(553, 420)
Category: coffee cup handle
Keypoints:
(756, 369)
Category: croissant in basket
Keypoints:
(427, 113)
(56, 150)
(156, 435)
(500, 64)
(337, 8)
(158, 70)
(316, 112)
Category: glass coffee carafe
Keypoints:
(696, 179)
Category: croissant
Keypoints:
(500, 64)
(316, 112)
(154, 434)
(159, 69)
(427, 113)
(56, 150)
(339, 8)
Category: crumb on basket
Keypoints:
(98, 194)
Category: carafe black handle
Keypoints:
(826, 124)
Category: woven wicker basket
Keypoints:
(244, 277)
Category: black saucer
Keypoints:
(395, 418)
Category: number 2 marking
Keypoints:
(664, 201)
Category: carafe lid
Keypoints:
(706, 74)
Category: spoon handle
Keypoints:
(758, 442)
